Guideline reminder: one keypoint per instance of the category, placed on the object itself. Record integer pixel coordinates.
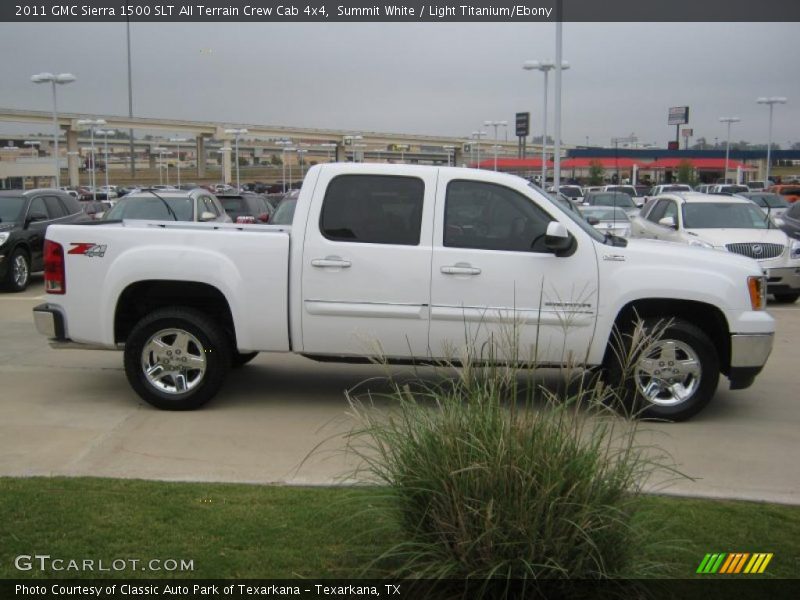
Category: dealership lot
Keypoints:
(72, 413)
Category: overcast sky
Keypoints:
(443, 79)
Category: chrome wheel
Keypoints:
(20, 271)
(173, 361)
(668, 373)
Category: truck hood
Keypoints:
(663, 252)
(720, 237)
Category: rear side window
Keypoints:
(373, 209)
(71, 205)
(54, 207)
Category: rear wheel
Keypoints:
(786, 298)
(177, 358)
(671, 375)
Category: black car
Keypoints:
(24, 218)
(246, 207)
(791, 221)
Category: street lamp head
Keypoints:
(772, 100)
(178, 140)
(63, 78)
(42, 78)
(729, 119)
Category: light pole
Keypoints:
(351, 140)
(236, 133)
(178, 141)
(495, 124)
(162, 152)
(286, 145)
(328, 147)
(771, 102)
(728, 120)
(105, 133)
(60, 79)
(301, 153)
(33, 144)
(222, 152)
(478, 135)
(545, 66)
(91, 124)
(450, 152)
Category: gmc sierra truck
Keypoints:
(405, 262)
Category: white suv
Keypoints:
(725, 223)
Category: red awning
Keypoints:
(710, 164)
(513, 164)
(607, 162)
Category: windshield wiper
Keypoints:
(169, 208)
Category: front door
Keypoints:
(494, 285)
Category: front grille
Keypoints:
(756, 250)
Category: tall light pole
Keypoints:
(771, 102)
(451, 150)
(236, 133)
(90, 124)
(728, 120)
(60, 79)
(478, 135)
(285, 145)
(495, 124)
(178, 141)
(545, 66)
(105, 133)
(222, 152)
(301, 152)
(162, 152)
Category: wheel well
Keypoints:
(143, 297)
(707, 317)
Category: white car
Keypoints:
(725, 223)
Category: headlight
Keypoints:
(4, 237)
(701, 244)
(794, 249)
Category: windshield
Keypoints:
(571, 192)
(285, 212)
(723, 215)
(612, 199)
(153, 208)
(11, 209)
(676, 188)
(605, 213)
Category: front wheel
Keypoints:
(670, 375)
(177, 358)
(19, 271)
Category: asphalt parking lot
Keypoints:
(71, 412)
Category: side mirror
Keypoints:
(207, 216)
(668, 222)
(37, 216)
(558, 240)
(593, 220)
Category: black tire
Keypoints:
(786, 298)
(239, 360)
(207, 346)
(18, 274)
(688, 345)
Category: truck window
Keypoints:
(488, 216)
(373, 209)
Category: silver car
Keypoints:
(169, 205)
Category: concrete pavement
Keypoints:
(281, 420)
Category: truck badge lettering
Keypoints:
(87, 249)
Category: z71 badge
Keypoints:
(88, 249)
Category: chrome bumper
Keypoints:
(751, 349)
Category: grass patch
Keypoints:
(250, 531)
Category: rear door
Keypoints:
(366, 263)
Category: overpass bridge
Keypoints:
(208, 136)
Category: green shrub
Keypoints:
(488, 481)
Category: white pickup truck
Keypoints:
(405, 262)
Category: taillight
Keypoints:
(263, 217)
(247, 219)
(55, 281)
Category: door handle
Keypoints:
(331, 262)
(460, 269)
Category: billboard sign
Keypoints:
(523, 121)
(678, 115)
